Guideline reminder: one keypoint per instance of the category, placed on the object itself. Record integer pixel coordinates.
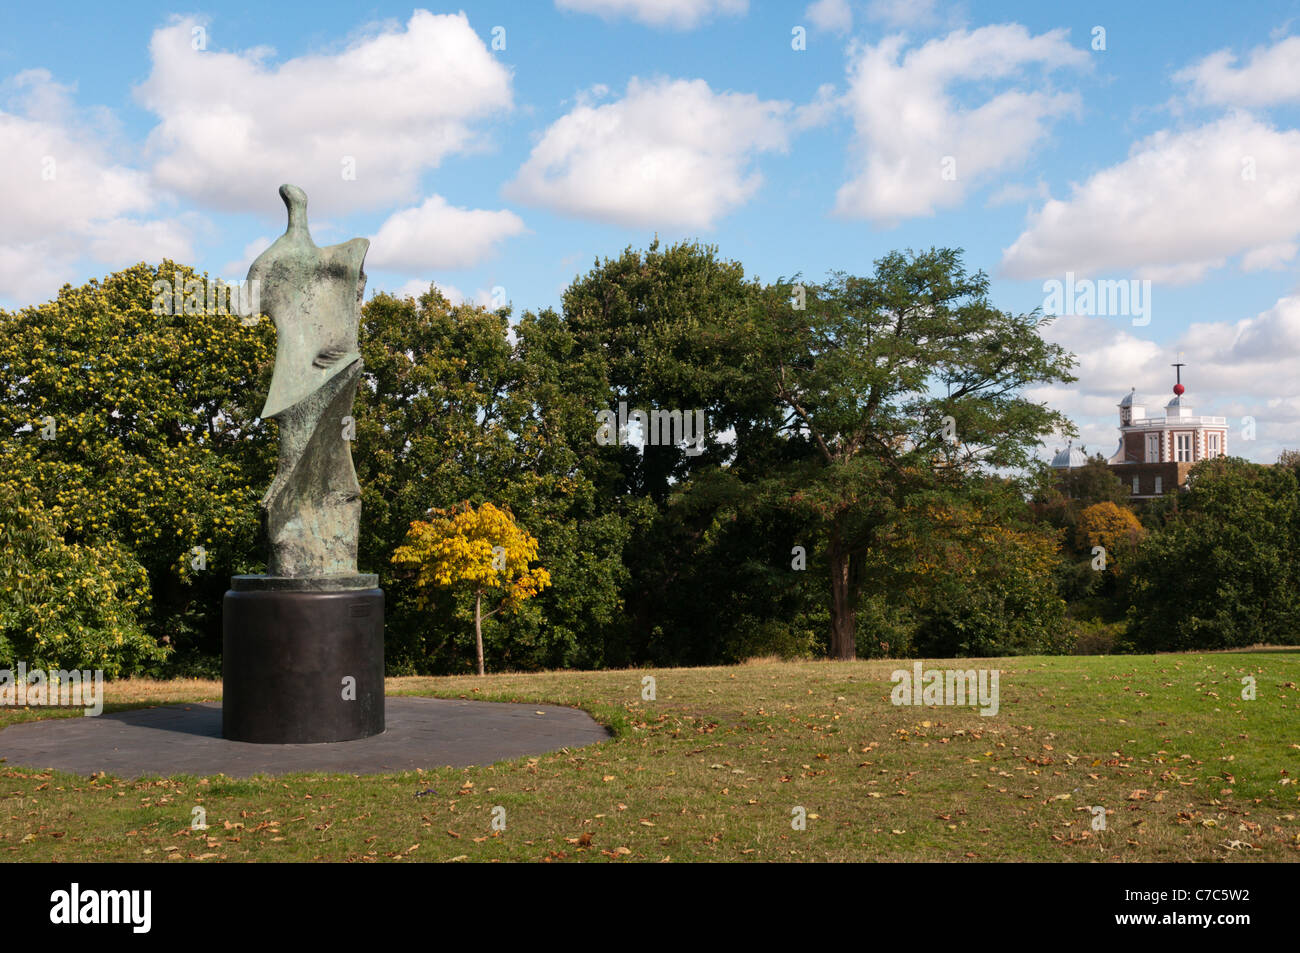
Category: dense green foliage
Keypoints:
(130, 437)
(451, 411)
(841, 499)
(1223, 567)
(67, 605)
(901, 390)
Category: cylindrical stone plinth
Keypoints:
(302, 664)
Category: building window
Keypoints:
(1159, 481)
(1183, 454)
(1214, 450)
(1153, 448)
(1135, 486)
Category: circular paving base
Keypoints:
(186, 739)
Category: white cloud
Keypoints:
(397, 102)
(438, 235)
(415, 287)
(1015, 192)
(1234, 369)
(1268, 257)
(1111, 359)
(66, 202)
(1270, 76)
(830, 15)
(902, 13)
(1252, 355)
(1181, 204)
(238, 268)
(670, 153)
(677, 14)
(917, 149)
(825, 104)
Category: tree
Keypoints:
(431, 430)
(1060, 496)
(903, 387)
(716, 542)
(480, 549)
(663, 329)
(452, 409)
(67, 605)
(129, 415)
(970, 575)
(1115, 528)
(993, 594)
(1222, 571)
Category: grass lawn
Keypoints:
(714, 768)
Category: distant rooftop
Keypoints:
(1071, 456)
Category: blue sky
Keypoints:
(1172, 155)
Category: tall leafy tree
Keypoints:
(1094, 482)
(981, 580)
(904, 386)
(68, 605)
(656, 330)
(128, 414)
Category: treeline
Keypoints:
(865, 483)
(1215, 566)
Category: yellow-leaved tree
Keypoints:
(479, 548)
(1114, 528)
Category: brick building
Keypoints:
(1155, 453)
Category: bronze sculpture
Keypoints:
(303, 645)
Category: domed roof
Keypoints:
(1071, 456)
(1133, 397)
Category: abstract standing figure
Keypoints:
(313, 294)
(303, 645)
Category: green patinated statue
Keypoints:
(313, 508)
